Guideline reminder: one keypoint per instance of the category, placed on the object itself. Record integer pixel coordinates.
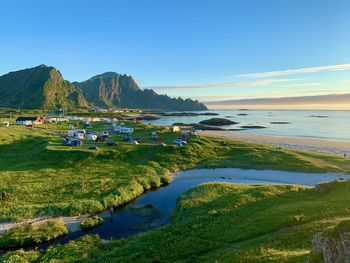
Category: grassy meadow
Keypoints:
(43, 177)
(222, 222)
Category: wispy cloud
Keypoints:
(346, 81)
(270, 74)
(260, 82)
(300, 85)
(329, 91)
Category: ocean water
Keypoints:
(331, 125)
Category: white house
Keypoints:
(29, 120)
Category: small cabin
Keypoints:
(29, 120)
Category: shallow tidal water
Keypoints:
(332, 125)
(154, 208)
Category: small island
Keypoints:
(218, 122)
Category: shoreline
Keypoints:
(308, 144)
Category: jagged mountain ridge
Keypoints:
(44, 87)
(113, 89)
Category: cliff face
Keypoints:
(39, 87)
(333, 246)
(113, 89)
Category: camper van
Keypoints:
(71, 133)
(80, 135)
(91, 137)
(122, 129)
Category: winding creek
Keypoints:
(154, 208)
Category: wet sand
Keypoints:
(320, 145)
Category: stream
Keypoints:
(154, 208)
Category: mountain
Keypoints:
(39, 87)
(112, 89)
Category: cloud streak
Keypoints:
(260, 82)
(309, 84)
(307, 70)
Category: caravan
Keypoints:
(91, 137)
(122, 129)
(80, 135)
(71, 133)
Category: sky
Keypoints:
(207, 50)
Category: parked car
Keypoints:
(110, 143)
(72, 142)
(179, 141)
(100, 139)
(104, 133)
(94, 148)
(133, 142)
(154, 135)
(182, 138)
(137, 139)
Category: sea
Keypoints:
(330, 125)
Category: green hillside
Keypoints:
(39, 87)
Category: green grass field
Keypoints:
(223, 222)
(35, 233)
(213, 222)
(43, 177)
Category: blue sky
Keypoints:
(202, 49)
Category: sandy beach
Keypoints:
(320, 145)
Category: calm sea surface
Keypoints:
(333, 125)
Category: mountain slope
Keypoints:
(39, 87)
(113, 89)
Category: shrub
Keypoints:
(91, 222)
